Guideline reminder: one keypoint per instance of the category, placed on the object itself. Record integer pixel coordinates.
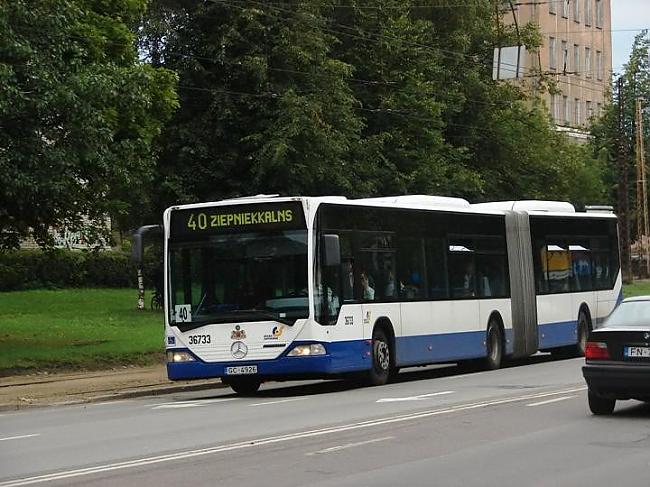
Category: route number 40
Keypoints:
(183, 313)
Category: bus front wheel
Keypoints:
(244, 386)
(381, 359)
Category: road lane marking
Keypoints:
(557, 399)
(420, 397)
(67, 474)
(19, 437)
(189, 404)
(109, 403)
(279, 401)
(348, 445)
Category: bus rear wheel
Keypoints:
(244, 386)
(583, 333)
(380, 370)
(494, 345)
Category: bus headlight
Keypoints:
(307, 350)
(178, 356)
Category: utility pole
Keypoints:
(623, 207)
(641, 189)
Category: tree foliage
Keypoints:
(353, 98)
(78, 114)
(634, 84)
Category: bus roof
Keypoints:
(427, 202)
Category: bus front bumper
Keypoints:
(341, 358)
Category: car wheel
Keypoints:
(244, 387)
(381, 359)
(494, 345)
(600, 405)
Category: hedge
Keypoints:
(35, 269)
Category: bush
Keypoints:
(34, 269)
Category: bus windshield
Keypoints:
(239, 277)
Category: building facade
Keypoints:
(576, 54)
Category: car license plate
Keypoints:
(242, 370)
(637, 351)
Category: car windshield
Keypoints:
(239, 277)
(630, 314)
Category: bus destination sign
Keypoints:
(239, 218)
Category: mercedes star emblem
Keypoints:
(238, 349)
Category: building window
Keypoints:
(565, 9)
(599, 109)
(565, 57)
(576, 10)
(555, 108)
(599, 65)
(588, 12)
(599, 14)
(566, 109)
(552, 59)
(576, 109)
(589, 109)
(587, 62)
(552, 9)
(576, 60)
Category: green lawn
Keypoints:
(92, 329)
(76, 328)
(636, 288)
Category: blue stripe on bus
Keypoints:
(423, 349)
(354, 355)
(558, 334)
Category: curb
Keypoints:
(142, 391)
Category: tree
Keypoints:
(635, 84)
(356, 98)
(78, 115)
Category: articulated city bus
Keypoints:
(272, 287)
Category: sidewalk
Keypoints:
(19, 392)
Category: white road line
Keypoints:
(279, 401)
(558, 399)
(19, 437)
(348, 445)
(420, 397)
(189, 404)
(274, 439)
(108, 403)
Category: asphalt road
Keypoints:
(526, 424)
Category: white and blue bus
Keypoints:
(271, 287)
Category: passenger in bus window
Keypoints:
(348, 280)
(468, 279)
(367, 290)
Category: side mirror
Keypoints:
(136, 248)
(330, 250)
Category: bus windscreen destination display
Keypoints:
(237, 219)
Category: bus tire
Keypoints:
(494, 345)
(244, 386)
(600, 405)
(380, 369)
(583, 332)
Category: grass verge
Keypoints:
(71, 329)
(636, 288)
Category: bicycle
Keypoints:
(157, 300)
